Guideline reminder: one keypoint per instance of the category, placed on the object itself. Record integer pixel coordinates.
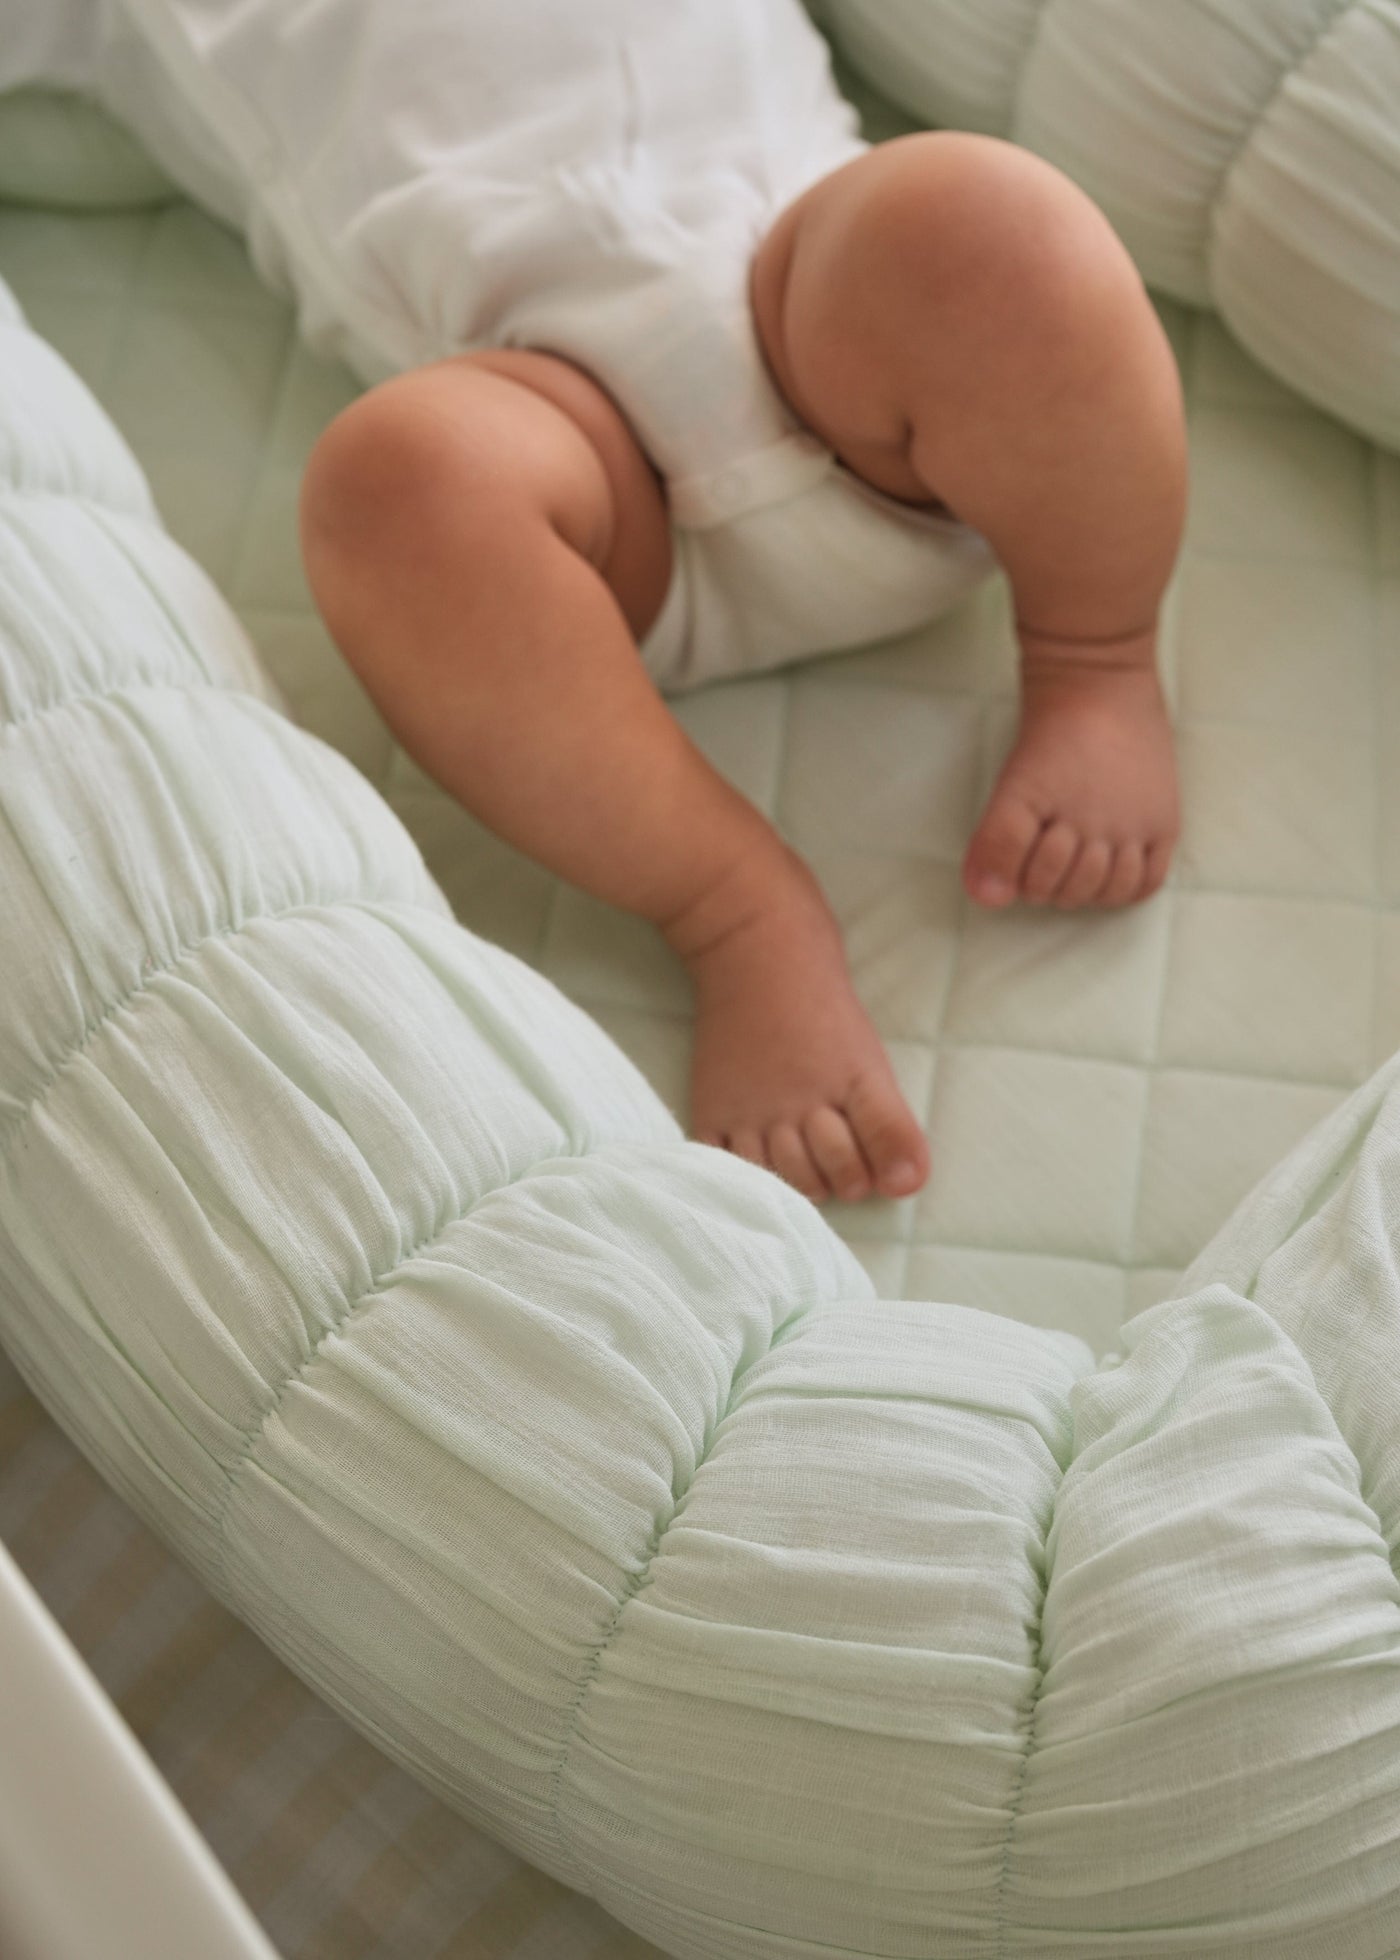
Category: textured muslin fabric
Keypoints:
(578, 1465)
(428, 176)
(1248, 153)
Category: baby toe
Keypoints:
(791, 1159)
(1050, 859)
(1158, 859)
(1124, 881)
(836, 1154)
(750, 1144)
(1085, 878)
(997, 854)
(890, 1140)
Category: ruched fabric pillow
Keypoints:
(1248, 151)
(576, 1463)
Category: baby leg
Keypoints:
(487, 543)
(960, 322)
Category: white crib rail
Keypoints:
(96, 1855)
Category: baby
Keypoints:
(743, 389)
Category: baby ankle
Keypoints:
(1044, 652)
(748, 891)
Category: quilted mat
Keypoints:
(1099, 1090)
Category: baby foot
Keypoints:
(788, 1070)
(1085, 810)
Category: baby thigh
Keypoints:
(956, 309)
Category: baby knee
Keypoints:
(1004, 225)
(947, 255)
(450, 455)
(374, 471)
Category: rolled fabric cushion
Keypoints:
(1249, 155)
(577, 1464)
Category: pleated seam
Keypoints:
(130, 691)
(337, 1326)
(11, 1129)
(27, 493)
(1018, 1795)
(633, 1586)
(571, 1726)
(107, 516)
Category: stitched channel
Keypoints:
(130, 691)
(1018, 1794)
(636, 1580)
(148, 979)
(337, 1325)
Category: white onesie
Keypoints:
(587, 177)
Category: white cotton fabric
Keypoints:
(1248, 153)
(578, 1465)
(428, 176)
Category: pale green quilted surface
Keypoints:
(58, 149)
